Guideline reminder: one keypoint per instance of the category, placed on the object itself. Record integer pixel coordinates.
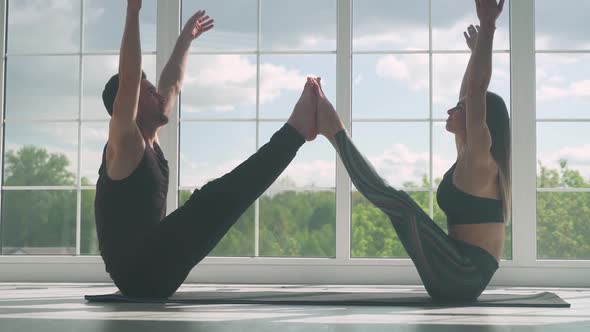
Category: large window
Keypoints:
(407, 67)
(241, 87)
(563, 124)
(392, 69)
(55, 122)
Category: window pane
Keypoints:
(97, 72)
(239, 241)
(398, 151)
(94, 138)
(282, 78)
(451, 17)
(88, 237)
(401, 157)
(390, 86)
(43, 87)
(390, 25)
(43, 26)
(39, 222)
(105, 22)
(298, 212)
(563, 225)
(562, 24)
(373, 235)
(563, 86)
(304, 25)
(236, 24)
(563, 154)
(448, 71)
(219, 86)
(200, 163)
(41, 154)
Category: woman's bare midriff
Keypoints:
(488, 236)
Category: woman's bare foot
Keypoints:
(304, 118)
(328, 121)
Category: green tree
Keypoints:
(298, 224)
(563, 218)
(88, 237)
(239, 241)
(40, 218)
(292, 224)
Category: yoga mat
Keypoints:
(383, 298)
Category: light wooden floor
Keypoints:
(61, 307)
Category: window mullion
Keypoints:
(430, 115)
(523, 96)
(168, 27)
(344, 107)
(257, 202)
(3, 24)
(80, 110)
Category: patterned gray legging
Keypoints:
(451, 270)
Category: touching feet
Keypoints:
(303, 118)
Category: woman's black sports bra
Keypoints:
(462, 208)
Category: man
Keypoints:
(147, 253)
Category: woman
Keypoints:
(474, 193)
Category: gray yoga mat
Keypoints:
(545, 299)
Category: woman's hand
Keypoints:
(471, 36)
(488, 11)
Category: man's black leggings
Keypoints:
(451, 270)
(162, 260)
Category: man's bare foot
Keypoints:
(328, 121)
(304, 118)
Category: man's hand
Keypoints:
(134, 5)
(488, 11)
(197, 25)
(304, 116)
(471, 36)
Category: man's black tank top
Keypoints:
(127, 209)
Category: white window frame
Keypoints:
(523, 270)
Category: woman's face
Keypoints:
(456, 120)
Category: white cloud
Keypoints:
(392, 67)
(199, 173)
(358, 79)
(397, 164)
(94, 135)
(315, 41)
(221, 83)
(276, 79)
(405, 38)
(452, 37)
(448, 73)
(30, 22)
(556, 41)
(578, 158)
(553, 91)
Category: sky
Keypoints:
(385, 86)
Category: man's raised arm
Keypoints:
(173, 74)
(127, 98)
